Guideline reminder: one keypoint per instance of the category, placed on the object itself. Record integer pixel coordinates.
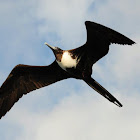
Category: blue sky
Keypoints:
(78, 113)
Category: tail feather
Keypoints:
(101, 90)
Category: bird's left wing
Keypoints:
(25, 78)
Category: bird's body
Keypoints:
(76, 63)
(67, 61)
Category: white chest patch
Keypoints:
(67, 61)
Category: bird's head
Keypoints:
(57, 51)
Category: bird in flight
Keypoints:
(76, 63)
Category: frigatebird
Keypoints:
(76, 63)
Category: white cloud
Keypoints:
(82, 117)
(82, 113)
(120, 66)
(65, 19)
(128, 66)
(17, 32)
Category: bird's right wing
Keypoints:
(98, 32)
(24, 78)
(100, 37)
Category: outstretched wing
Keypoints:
(99, 38)
(25, 78)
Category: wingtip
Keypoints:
(131, 42)
(113, 36)
(87, 22)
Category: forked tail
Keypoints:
(101, 90)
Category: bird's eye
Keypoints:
(58, 48)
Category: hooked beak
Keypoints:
(51, 47)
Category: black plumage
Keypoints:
(24, 78)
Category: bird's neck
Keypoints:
(58, 56)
